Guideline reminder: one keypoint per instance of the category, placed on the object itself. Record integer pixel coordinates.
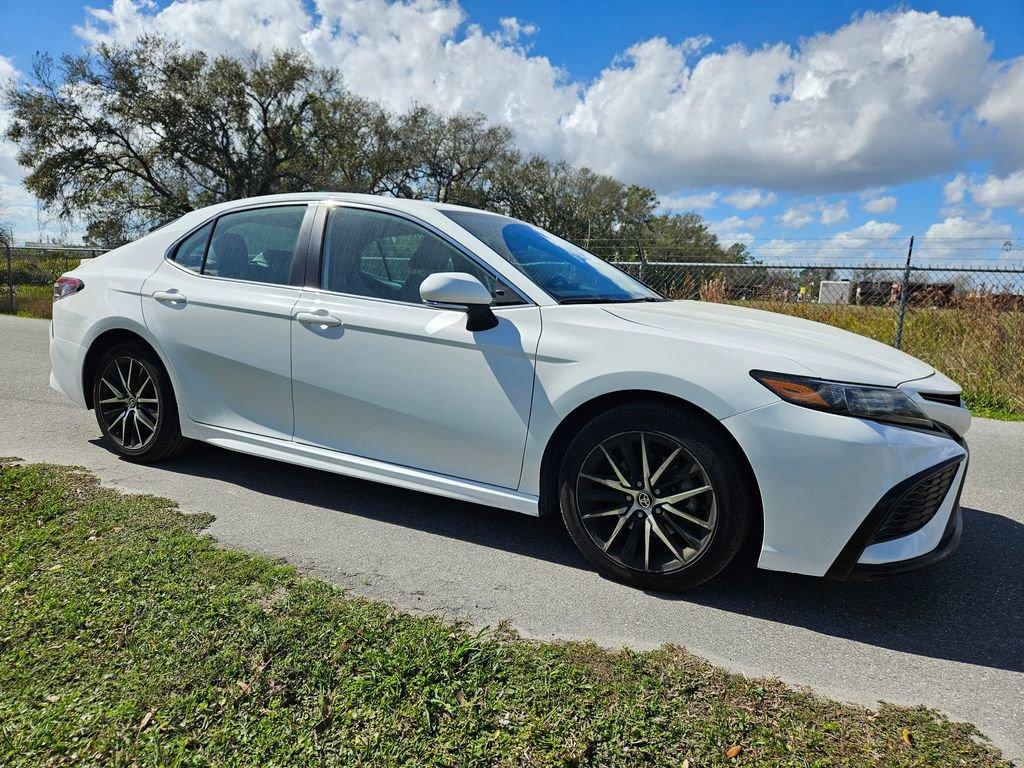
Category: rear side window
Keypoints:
(256, 245)
(190, 252)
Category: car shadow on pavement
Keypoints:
(969, 608)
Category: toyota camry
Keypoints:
(471, 355)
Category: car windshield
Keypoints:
(566, 272)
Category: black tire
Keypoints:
(692, 553)
(138, 421)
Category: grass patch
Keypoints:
(127, 638)
(30, 301)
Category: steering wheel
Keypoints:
(558, 283)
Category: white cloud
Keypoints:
(965, 239)
(685, 203)
(872, 230)
(833, 213)
(874, 241)
(513, 28)
(996, 192)
(728, 239)
(738, 222)
(960, 227)
(886, 204)
(880, 100)
(875, 102)
(400, 53)
(745, 199)
(736, 229)
(797, 217)
(1002, 113)
(954, 190)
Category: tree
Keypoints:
(125, 138)
(578, 204)
(449, 157)
(688, 238)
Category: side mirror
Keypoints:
(459, 290)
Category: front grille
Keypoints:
(936, 397)
(918, 506)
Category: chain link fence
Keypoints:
(967, 320)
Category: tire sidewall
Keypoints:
(153, 367)
(718, 458)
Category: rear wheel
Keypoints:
(135, 405)
(655, 496)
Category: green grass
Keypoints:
(30, 300)
(127, 638)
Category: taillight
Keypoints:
(65, 286)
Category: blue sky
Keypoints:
(841, 121)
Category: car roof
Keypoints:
(397, 203)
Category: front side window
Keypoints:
(379, 255)
(256, 245)
(565, 271)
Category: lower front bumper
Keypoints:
(820, 475)
(860, 560)
(947, 546)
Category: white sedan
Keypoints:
(474, 356)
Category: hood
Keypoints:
(826, 351)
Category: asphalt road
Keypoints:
(950, 637)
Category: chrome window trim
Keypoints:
(188, 271)
(329, 204)
(418, 305)
(171, 249)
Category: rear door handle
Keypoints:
(171, 297)
(318, 318)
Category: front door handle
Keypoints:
(318, 318)
(171, 297)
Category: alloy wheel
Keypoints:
(647, 502)
(129, 403)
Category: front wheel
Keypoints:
(135, 405)
(655, 496)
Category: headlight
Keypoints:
(858, 400)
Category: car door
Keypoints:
(221, 310)
(379, 374)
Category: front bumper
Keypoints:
(822, 476)
(860, 559)
(947, 546)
